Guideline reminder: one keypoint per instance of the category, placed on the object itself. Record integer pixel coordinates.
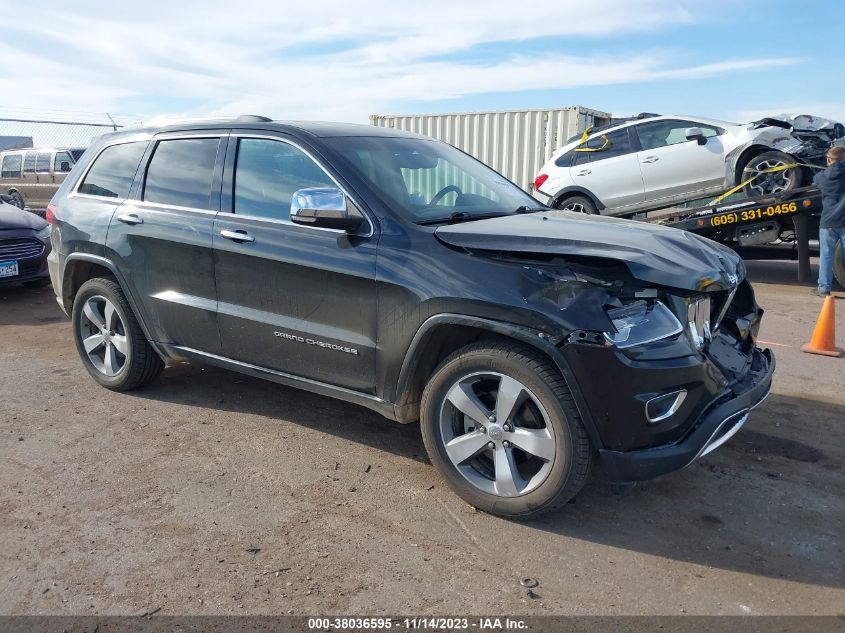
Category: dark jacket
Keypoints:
(831, 181)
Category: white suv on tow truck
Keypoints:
(654, 161)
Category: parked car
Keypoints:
(655, 161)
(30, 177)
(24, 246)
(396, 272)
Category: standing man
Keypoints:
(831, 181)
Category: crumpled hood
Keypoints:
(654, 254)
(13, 218)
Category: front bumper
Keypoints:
(714, 427)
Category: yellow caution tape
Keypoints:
(592, 149)
(757, 173)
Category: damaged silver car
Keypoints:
(654, 161)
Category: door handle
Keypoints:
(584, 172)
(651, 159)
(130, 218)
(238, 235)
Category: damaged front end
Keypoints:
(804, 136)
(657, 325)
(668, 374)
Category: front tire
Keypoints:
(771, 183)
(499, 424)
(109, 339)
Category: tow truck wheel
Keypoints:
(771, 182)
(578, 204)
(839, 265)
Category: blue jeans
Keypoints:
(828, 238)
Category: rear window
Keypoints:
(181, 171)
(11, 166)
(113, 170)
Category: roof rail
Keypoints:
(253, 118)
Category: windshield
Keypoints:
(429, 181)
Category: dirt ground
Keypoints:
(214, 493)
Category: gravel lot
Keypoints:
(214, 493)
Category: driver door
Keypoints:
(295, 299)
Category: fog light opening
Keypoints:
(665, 406)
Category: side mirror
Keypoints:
(695, 134)
(65, 166)
(324, 207)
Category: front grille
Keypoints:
(20, 248)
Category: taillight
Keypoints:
(50, 214)
(539, 180)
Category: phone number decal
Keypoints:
(754, 214)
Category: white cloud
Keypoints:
(266, 58)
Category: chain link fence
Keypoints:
(21, 130)
(38, 149)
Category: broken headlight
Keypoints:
(641, 322)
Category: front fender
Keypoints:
(405, 412)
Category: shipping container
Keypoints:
(516, 143)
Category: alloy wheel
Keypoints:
(497, 434)
(103, 336)
(771, 183)
(577, 207)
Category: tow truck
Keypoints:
(747, 225)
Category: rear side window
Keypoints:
(268, 173)
(42, 162)
(29, 163)
(603, 146)
(113, 170)
(181, 171)
(11, 166)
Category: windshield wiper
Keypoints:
(526, 209)
(460, 216)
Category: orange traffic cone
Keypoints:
(824, 335)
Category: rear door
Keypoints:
(607, 166)
(161, 237)
(676, 168)
(45, 185)
(295, 299)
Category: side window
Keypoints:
(29, 163)
(181, 171)
(267, 174)
(658, 134)
(608, 145)
(113, 170)
(565, 160)
(62, 163)
(42, 162)
(11, 166)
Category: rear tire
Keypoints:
(110, 340)
(839, 265)
(578, 204)
(771, 183)
(541, 454)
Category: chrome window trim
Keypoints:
(168, 136)
(358, 205)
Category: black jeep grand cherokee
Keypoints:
(396, 272)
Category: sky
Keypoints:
(344, 60)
